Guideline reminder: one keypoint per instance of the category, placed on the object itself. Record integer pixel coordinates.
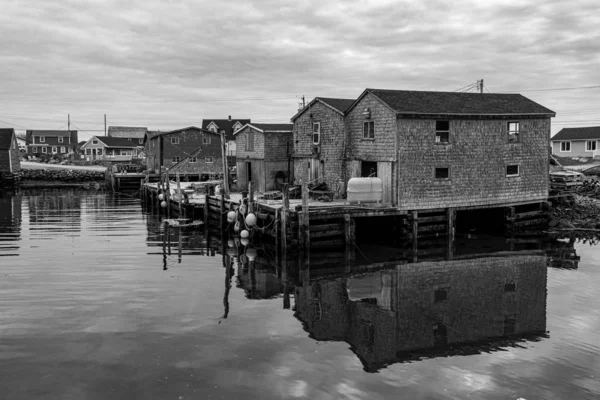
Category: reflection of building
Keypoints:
(59, 208)
(562, 254)
(10, 224)
(420, 309)
(258, 283)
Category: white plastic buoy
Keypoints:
(163, 204)
(245, 241)
(161, 196)
(244, 234)
(230, 243)
(251, 219)
(231, 215)
(251, 254)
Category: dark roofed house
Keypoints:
(131, 132)
(9, 152)
(320, 142)
(263, 155)
(116, 149)
(433, 150)
(576, 142)
(50, 142)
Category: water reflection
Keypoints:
(10, 224)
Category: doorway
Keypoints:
(313, 170)
(368, 169)
(248, 172)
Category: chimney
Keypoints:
(230, 117)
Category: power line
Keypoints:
(61, 100)
(552, 89)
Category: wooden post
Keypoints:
(285, 205)
(276, 235)
(165, 229)
(180, 197)
(304, 219)
(250, 197)
(450, 233)
(415, 229)
(225, 169)
(206, 208)
(168, 192)
(142, 189)
(349, 240)
(221, 216)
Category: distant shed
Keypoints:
(10, 161)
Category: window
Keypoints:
(369, 130)
(193, 160)
(94, 142)
(441, 295)
(565, 146)
(442, 131)
(209, 160)
(176, 159)
(60, 139)
(512, 170)
(250, 141)
(63, 150)
(99, 152)
(88, 151)
(34, 149)
(316, 132)
(513, 131)
(44, 150)
(205, 140)
(54, 149)
(42, 139)
(442, 173)
(510, 287)
(510, 322)
(174, 140)
(590, 145)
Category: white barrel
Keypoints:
(365, 190)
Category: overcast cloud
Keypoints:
(168, 64)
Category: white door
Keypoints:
(313, 170)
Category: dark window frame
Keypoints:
(442, 131)
(514, 132)
(316, 133)
(513, 174)
(437, 171)
(368, 130)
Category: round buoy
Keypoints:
(163, 204)
(251, 219)
(161, 196)
(231, 215)
(230, 243)
(244, 233)
(245, 241)
(251, 254)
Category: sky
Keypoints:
(168, 64)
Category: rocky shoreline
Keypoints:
(582, 214)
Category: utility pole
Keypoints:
(303, 102)
(104, 124)
(480, 85)
(69, 122)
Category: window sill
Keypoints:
(513, 176)
(367, 139)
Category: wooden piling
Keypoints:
(250, 197)
(206, 209)
(168, 193)
(221, 217)
(349, 240)
(415, 231)
(451, 215)
(285, 206)
(303, 219)
(180, 197)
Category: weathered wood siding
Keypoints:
(258, 174)
(331, 149)
(257, 152)
(189, 141)
(477, 156)
(10, 159)
(382, 148)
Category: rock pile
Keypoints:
(584, 213)
(62, 175)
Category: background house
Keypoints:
(50, 142)
(576, 142)
(263, 155)
(229, 126)
(167, 149)
(320, 142)
(114, 149)
(10, 161)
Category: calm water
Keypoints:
(97, 302)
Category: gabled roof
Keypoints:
(589, 132)
(338, 105)
(117, 142)
(51, 133)
(224, 124)
(156, 134)
(411, 102)
(275, 128)
(6, 138)
(136, 132)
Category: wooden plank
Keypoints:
(437, 218)
(325, 227)
(328, 233)
(327, 243)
